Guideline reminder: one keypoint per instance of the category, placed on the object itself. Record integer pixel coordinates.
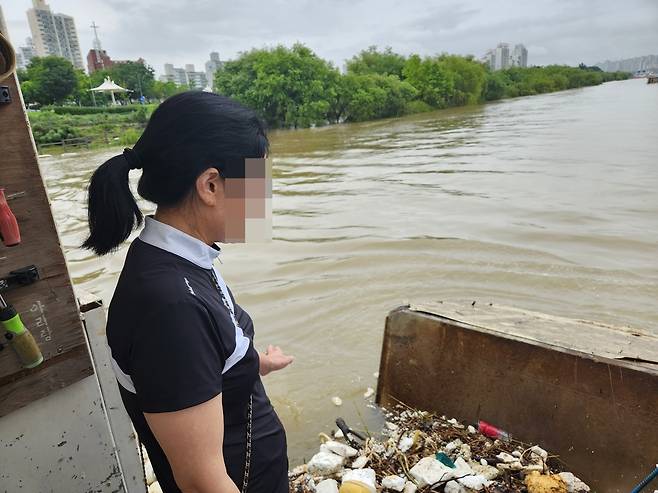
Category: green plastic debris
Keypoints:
(445, 460)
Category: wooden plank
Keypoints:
(599, 414)
(48, 308)
(26, 386)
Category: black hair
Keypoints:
(187, 134)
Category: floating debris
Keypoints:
(359, 481)
(544, 483)
(337, 401)
(369, 393)
(420, 452)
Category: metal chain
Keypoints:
(247, 461)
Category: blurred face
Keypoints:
(242, 211)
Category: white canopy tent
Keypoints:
(109, 85)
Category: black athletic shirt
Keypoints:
(177, 340)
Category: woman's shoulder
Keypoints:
(151, 275)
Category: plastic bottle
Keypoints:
(358, 481)
(26, 348)
(353, 486)
(492, 432)
(19, 337)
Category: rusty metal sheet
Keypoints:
(548, 380)
(564, 334)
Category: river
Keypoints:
(546, 202)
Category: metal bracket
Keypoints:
(19, 277)
(5, 95)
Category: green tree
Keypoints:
(22, 75)
(495, 86)
(374, 96)
(162, 90)
(82, 93)
(433, 81)
(134, 76)
(288, 87)
(372, 61)
(468, 78)
(52, 80)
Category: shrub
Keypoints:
(91, 110)
(129, 136)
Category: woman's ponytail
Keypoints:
(112, 210)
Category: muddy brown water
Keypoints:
(546, 203)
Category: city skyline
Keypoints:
(553, 31)
(501, 57)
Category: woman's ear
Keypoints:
(209, 187)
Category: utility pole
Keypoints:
(93, 96)
(139, 84)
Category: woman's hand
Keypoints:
(273, 359)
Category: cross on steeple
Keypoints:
(97, 42)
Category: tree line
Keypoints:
(53, 80)
(293, 87)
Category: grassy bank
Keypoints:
(102, 127)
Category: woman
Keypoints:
(182, 348)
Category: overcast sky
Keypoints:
(183, 31)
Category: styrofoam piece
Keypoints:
(327, 486)
(325, 463)
(395, 483)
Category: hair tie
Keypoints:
(132, 158)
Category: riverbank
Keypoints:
(90, 128)
(99, 128)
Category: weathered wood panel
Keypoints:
(600, 414)
(48, 308)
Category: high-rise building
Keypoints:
(519, 56)
(489, 59)
(196, 80)
(187, 75)
(54, 34)
(212, 66)
(502, 56)
(173, 74)
(24, 54)
(3, 24)
(647, 64)
(97, 58)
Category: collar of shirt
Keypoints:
(175, 241)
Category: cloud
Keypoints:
(183, 31)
